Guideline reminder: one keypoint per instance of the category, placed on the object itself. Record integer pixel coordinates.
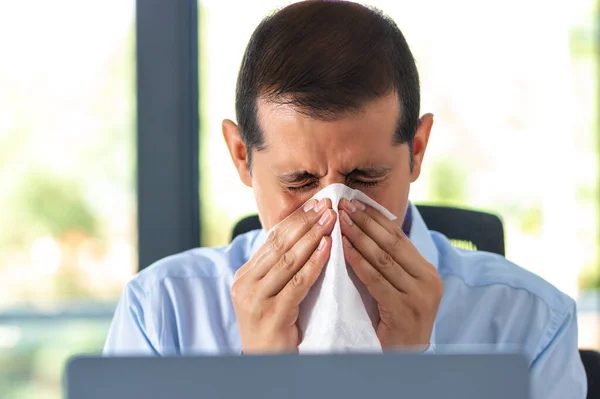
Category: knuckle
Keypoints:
(386, 315)
(236, 278)
(399, 234)
(287, 261)
(396, 243)
(361, 234)
(312, 262)
(418, 300)
(255, 309)
(239, 274)
(236, 291)
(432, 274)
(385, 260)
(366, 220)
(311, 235)
(298, 280)
(275, 242)
(304, 218)
(425, 304)
(375, 276)
(416, 313)
(292, 315)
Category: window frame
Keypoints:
(168, 178)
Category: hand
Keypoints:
(405, 285)
(268, 289)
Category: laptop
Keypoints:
(496, 376)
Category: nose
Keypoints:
(332, 178)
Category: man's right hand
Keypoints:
(267, 291)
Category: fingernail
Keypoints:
(349, 205)
(346, 242)
(359, 205)
(310, 205)
(320, 205)
(321, 244)
(346, 218)
(325, 218)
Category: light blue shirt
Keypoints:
(181, 305)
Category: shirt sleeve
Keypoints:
(557, 371)
(131, 330)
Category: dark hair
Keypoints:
(326, 58)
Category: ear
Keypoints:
(237, 150)
(420, 144)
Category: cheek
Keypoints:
(394, 199)
(274, 206)
(273, 202)
(283, 209)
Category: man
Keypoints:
(328, 92)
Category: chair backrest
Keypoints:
(591, 363)
(466, 228)
(245, 225)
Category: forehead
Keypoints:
(365, 135)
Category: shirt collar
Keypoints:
(258, 241)
(419, 235)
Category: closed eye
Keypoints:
(365, 183)
(305, 187)
(314, 184)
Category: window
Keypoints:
(68, 219)
(515, 125)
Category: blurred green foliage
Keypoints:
(448, 183)
(56, 205)
(72, 202)
(589, 278)
(35, 368)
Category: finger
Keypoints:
(378, 286)
(293, 260)
(378, 258)
(391, 239)
(286, 234)
(297, 288)
(354, 205)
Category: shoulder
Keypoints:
(180, 294)
(498, 302)
(202, 264)
(477, 269)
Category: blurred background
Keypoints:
(513, 86)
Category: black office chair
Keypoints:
(591, 363)
(245, 225)
(467, 229)
(473, 230)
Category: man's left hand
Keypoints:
(405, 285)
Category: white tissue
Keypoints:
(339, 315)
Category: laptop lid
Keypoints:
(307, 376)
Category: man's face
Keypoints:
(304, 155)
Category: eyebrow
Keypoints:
(296, 176)
(371, 172)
